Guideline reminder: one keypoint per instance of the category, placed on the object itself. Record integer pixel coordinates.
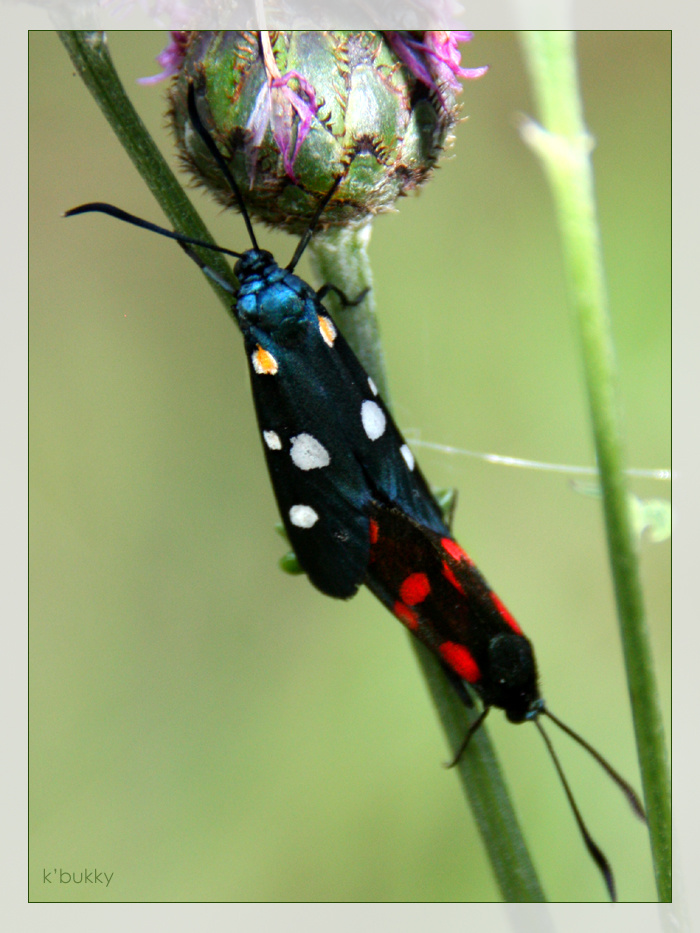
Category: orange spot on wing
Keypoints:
(373, 531)
(327, 328)
(264, 363)
(461, 661)
(414, 589)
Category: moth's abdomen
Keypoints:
(431, 585)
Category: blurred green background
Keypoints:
(208, 728)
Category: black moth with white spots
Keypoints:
(332, 448)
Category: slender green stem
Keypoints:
(342, 260)
(485, 789)
(563, 145)
(90, 56)
(340, 257)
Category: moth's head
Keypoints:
(253, 264)
(513, 676)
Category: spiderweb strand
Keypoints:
(662, 474)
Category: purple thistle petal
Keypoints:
(171, 58)
(258, 123)
(445, 47)
(306, 110)
(276, 105)
(404, 46)
(434, 60)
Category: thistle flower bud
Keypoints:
(291, 111)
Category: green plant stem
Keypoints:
(564, 147)
(341, 258)
(90, 55)
(484, 787)
(343, 261)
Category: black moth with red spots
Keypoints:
(433, 587)
(356, 507)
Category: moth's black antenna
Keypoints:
(304, 241)
(596, 854)
(102, 208)
(220, 161)
(207, 270)
(632, 798)
(626, 789)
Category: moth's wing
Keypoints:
(386, 458)
(331, 448)
(320, 486)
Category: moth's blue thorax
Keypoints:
(271, 299)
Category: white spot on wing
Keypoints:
(307, 453)
(373, 420)
(372, 385)
(272, 439)
(303, 516)
(408, 456)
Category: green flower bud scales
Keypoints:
(309, 106)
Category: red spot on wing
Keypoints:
(373, 531)
(414, 589)
(461, 661)
(405, 615)
(505, 615)
(455, 551)
(449, 575)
